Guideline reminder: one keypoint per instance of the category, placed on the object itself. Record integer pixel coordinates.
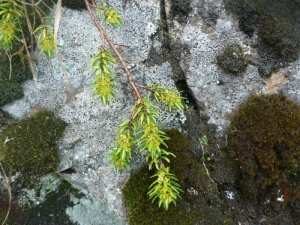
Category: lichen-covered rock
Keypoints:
(264, 138)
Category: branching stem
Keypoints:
(40, 15)
(144, 87)
(136, 93)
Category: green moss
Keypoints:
(232, 59)
(199, 203)
(10, 88)
(30, 145)
(264, 138)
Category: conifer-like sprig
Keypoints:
(10, 14)
(142, 132)
(46, 39)
(170, 98)
(121, 154)
(165, 187)
(104, 81)
(109, 15)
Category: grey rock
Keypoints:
(199, 40)
(89, 210)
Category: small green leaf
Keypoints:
(48, 187)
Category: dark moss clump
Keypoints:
(74, 4)
(277, 22)
(180, 10)
(199, 204)
(10, 87)
(10, 91)
(264, 138)
(232, 59)
(29, 146)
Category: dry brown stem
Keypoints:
(8, 182)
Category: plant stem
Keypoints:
(203, 163)
(136, 93)
(8, 181)
(144, 87)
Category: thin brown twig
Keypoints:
(8, 182)
(96, 6)
(49, 8)
(29, 25)
(40, 15)
(144, 87)
(10, 65)
(29, 56)
(33, 25)
(30, 4)
(136, 93)
(203, 163)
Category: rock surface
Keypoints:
(200, 35)
(198, 31)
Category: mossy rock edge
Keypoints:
(199, 203)
(30, 145)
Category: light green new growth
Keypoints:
(46, 40)
(112, 17)
(165, 188)
(169, 98)
(121, 154)
(104, 81)
(109, 15)
(10, 13)
(142, 132)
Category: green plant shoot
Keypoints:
(46, 40)
(10, 13)
(104, 81)
(165, 188)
